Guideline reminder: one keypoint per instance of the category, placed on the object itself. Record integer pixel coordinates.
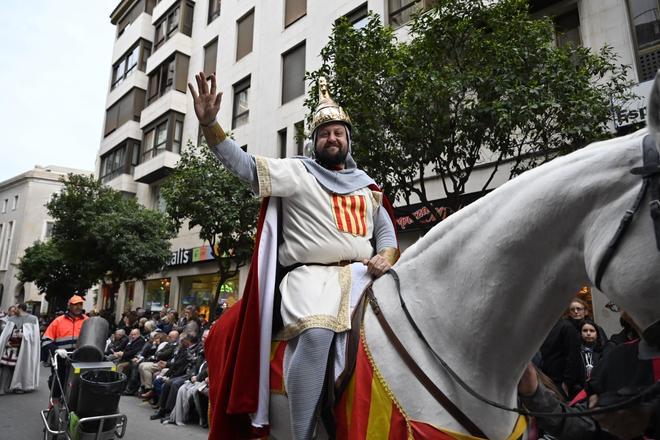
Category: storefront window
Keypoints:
(199, 291)
(130, 294)
(156, 294)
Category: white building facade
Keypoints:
(259, 52)
(632, 29)
(24, 220)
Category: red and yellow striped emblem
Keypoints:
(350, 214)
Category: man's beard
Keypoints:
(331, 160)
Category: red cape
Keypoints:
(232, 354)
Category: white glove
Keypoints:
(61, 352)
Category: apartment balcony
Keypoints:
(140, 28)
(130, 129)
(179, 42)
(136, 79)
(123, 182)
(161, 8)
(170, 101)
(160, 164)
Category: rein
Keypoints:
(648, 392)
(650, 172)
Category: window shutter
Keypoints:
(293, 10)
(187, 19)
(245, 28)
(181, 72)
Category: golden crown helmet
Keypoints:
(327, 110)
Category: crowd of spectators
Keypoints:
(162, 355)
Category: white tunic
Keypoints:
(317, 227)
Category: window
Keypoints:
(293, 11)
(127, 108)
(14, 205)
(48, 229)
(130, 295)
(158, 199)
(241, 110)
(567, 29)
(646, 31)
(116, 161)
(214, 10)
(136, 58)
(299, 129)
(6, 246)
(176, 140)
(401, 11)
(4, 205)
(293, 73)
(177, 19)
(172, 73)
(358, 17)
(199, 291)
(281, 142)
(157, 294)
(244, 34)
(164, 134)
(210, 57)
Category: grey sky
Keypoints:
(55, 70)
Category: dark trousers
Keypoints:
(167, 398)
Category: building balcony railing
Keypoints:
(137, 78)
(173, 100)
(178, 43)
(140, 28)
(130, 129)
(121, 181)
(159, 165)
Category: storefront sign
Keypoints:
(189, 256)
(634, 111)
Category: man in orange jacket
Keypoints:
(62, 335)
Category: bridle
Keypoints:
(650, 172)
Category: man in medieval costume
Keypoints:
(20, 346)
(327, 214)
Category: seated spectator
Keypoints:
(117, 344)
(148, 349)
(198, 380)
(123, 358)
(154, 364)
(140, 325)
(165, 325)
(175, 373)
(149, 326)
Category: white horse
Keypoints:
(487, 284)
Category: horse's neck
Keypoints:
(488, 283)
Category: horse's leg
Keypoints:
(305, 377)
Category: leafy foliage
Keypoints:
(210, 198)
(476, 82)
(99, 234)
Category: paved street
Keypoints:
(21, 419)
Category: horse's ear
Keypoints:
(653, 108)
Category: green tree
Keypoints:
(98, 235)
(207, 196)
(476, 82)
